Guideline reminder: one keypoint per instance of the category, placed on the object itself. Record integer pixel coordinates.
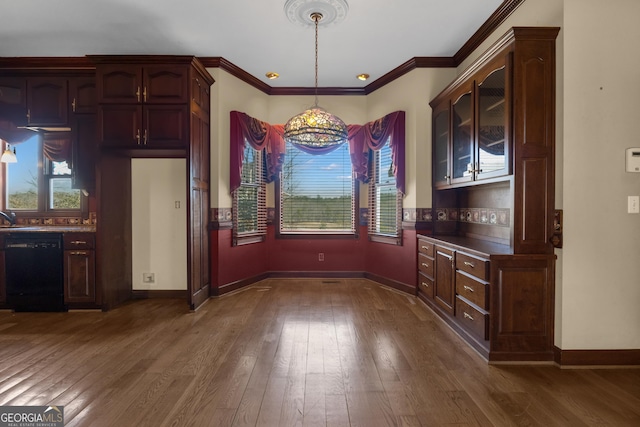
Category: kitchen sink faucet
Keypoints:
(11, 217)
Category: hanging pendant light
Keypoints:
(315, 127)
(9, 156)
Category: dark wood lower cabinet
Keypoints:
(499, 302)
(79, 270)
(445, 286)
(79, 276)
(3, 285)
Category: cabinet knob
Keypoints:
(425, 265)
(145, 137)
(469, 264)
(144, 94)
(138, 136)
(138, 93)
(73, 105)
(78, 242)
(76, 253)
(425, 284)
(468, 316)
(468, 288)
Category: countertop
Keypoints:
(48, 229)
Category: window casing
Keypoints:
(36, 185)
(385, 201)
(249, 200)
(317, 194)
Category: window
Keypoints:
(36, 184)
(385, 201)
(317, 193)
(249, 201)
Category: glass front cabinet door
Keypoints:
(462, 138)
(441, 155)
(492, 133)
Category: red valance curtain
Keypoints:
(56, 146)
(373, 136)
(260, 135)
(13, 134)
(362, 138)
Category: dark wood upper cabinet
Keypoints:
(145, 106)
(135, 84)
(82, 95)
(13, 94)
(47, 101)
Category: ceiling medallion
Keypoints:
(300, 11)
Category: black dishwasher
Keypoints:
(34, 275)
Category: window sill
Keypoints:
(388, 240)
(248, 240)
(315, 235)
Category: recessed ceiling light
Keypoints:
(363, 76)
(272, 75)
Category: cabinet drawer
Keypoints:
(476, 321)
(475, 266)
(473, 290)
(425, 285)
(74, 241)
(425, 265)
(425, 247)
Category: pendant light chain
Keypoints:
(315, 127)
(316, 17)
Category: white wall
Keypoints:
(601, 262)
(159, 228)
(228, 94)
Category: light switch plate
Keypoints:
(633, 204)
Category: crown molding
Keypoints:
(496, 19)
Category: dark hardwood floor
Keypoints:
(288, 352)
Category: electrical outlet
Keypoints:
(148, 277)
(177, 204)
(633, 204)
(321, 256)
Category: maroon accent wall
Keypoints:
(398, 263)
(340, 254)
(231, 264)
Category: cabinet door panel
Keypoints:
(79, 276)
(119, 84)
(120, 125)
(13, 93)
(493, 137)
(165, 85)
(3, 287)
(166, 126)
(441, 144)
(82, 95)
(445, 292)
(462, 138)
(47, 102)
(83, 154)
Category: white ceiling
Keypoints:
(376, 36)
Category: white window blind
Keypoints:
(249, 200)
(317, 193)
(385, 201)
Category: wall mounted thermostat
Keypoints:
(633, 159)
